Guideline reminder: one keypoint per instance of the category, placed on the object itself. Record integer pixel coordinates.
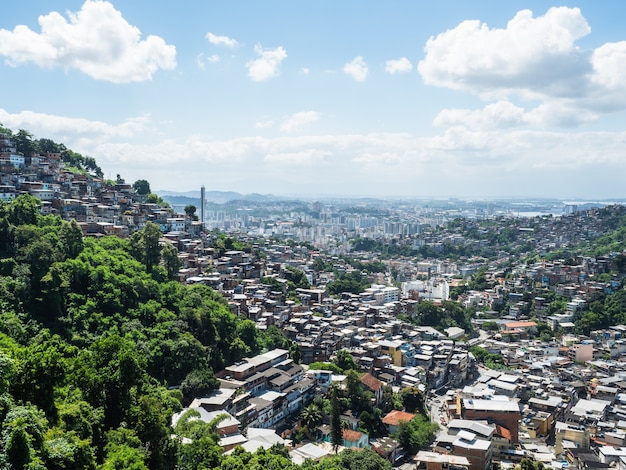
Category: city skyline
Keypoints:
(499, 99)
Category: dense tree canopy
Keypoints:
(92, 334)
(142, 187)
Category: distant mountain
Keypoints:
(211, 196)
(175, 198)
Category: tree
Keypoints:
(142, 187)
(336, 432)
(24, 143)
(295, 353)
(18, 450)
(190, 210)
(5, 131)
(43, 368)
(428, 314)
(65, 450)
(412, 399)
(151, 237)
(344, 360)
(372, 422)
(150, 418)
(198, 383)
(123, 451)
(24, 210)
(311, 417)
(490, 326)
(146, 245)
(348, 459)
(71, 237)
(110, 371)
(359, 399)
(416, 434)
(23, 436)
(172, 263)
(204, 451)
(530, 464)
(156, 199)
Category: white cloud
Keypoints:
(212, 59)
(57, 127)
(531, 56)
(299, 120)
(559, 113)
(506, 115)
(485, 150)
(305, 71)
(534, 58)
(357, 69)
(200, 61)
(268, 63)
(264, 124)
(221, 40)
(497, 162)
(401, 65)
(97, 40)
(302, 157)
(496, 115)
(608, 79)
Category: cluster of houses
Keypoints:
(560, 401)
(548, 406)
(260, 400)
(99, 207)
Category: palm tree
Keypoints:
(311, 417)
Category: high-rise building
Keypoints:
(202, 205)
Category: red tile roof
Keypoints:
(351, 436)
(371, 382)
(394, 417)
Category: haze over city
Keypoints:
(355, 98)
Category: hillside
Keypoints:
(100, 344)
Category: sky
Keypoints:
(402, 98)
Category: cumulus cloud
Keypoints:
(267, 65)
(221, 40)
(499, 115)
(54, 126)
(357, 69)
(97, 40)
(299, 120)
(504, 114)
(532, 56)
(559, 113)
(401, 65)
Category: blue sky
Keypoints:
(359, 98)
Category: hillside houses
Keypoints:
(561, 395)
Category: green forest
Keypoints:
(99, 346)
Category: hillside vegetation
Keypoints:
(93, 333)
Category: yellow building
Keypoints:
(392, 349)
